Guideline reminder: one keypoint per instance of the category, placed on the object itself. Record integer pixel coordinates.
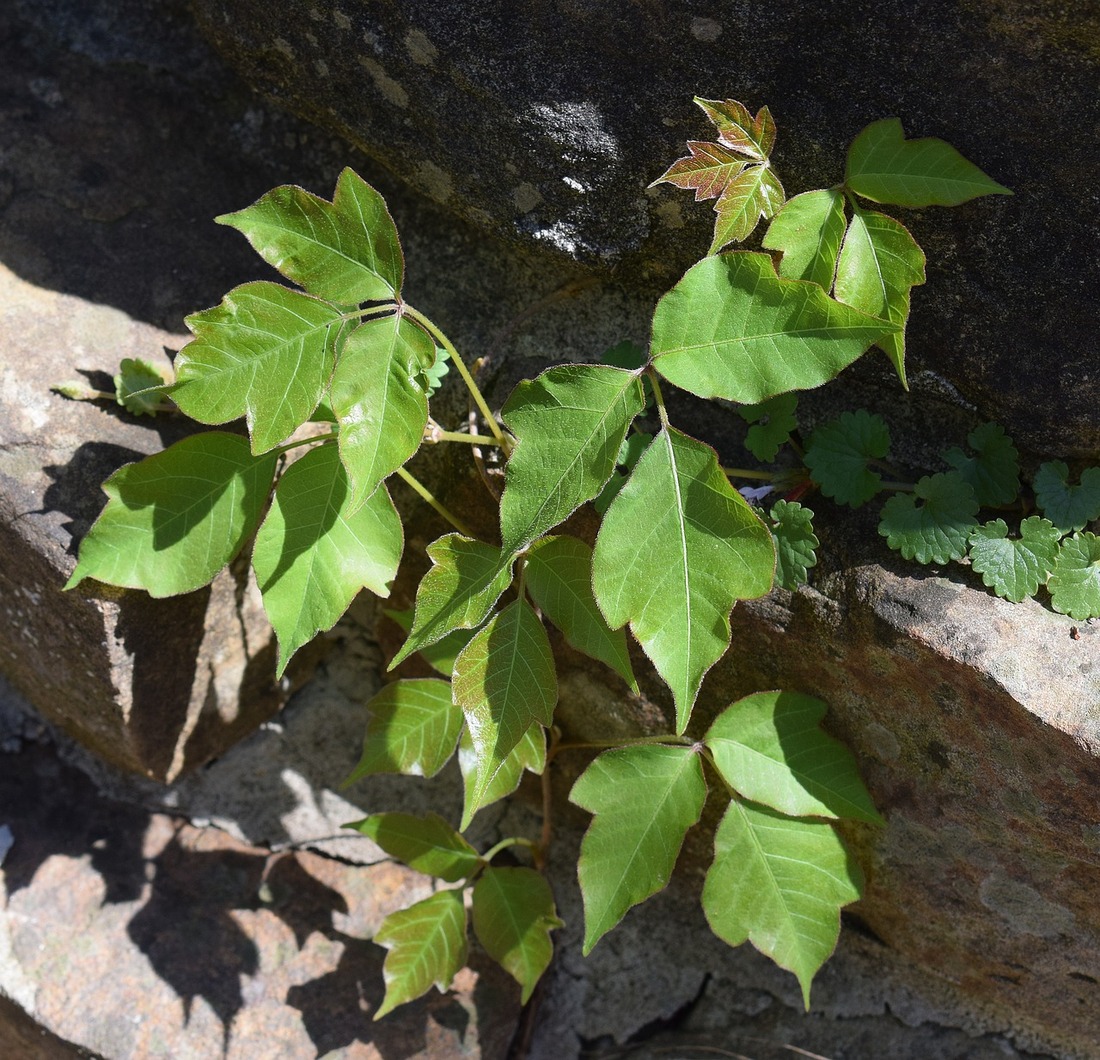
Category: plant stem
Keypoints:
(603, 745)
(370, 311)
(658, 397)
(438, 434)
(330, 437)
(744, 472)
(511, 841)
(901, 487)
(427, 495)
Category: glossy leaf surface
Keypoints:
(1014, 568)
(427, 844)
(707, 170)
(808, 231)
(994, 472)
(529, 754)
(737, 128)
(839, 455)
(1068, 507)
(754, 193)
(932, 524)
(1075, 581)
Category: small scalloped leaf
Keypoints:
(1074, 583)
(772, 422)
(795, 541)
(995, 471)
(937, 530)
(1015, 568)
(1068, 507)
(838, 453)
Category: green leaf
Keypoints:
(770, 748)
(379, 403)
(628, 355)
(569, 424)
(879, 265)
(937, 530)
(1067, 507)
(139, 387)
(732, 328)
(630, 452)
(994, 473)
(431, 378)
(839, 452)
(313, 553)
(707, 170)
(1015, 569)
(754, 193)
(427, 944)
(885, 167)
(738, 129)
(772, 422)
(529, 754)
(344, 251)
(677, 548)
(795, 541)
(504, 680)
(1074, 583)
(466, 580)
(266, 353)
(779, 882)
(559, 579)
(413, 729)
(513, 914)
(808, 231)
(427, 844)
(644, 799)
(174, 519)
(441, 655)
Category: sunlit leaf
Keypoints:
(754, 193)
(772, 422)
(994, 473)
(529, 754)
(1074, 583)
(441, 655)
(1014, 568)
(707, 170)
(732, 328)
(937, 530)
(1067, 507)
(678, 547)
(644, 799)
(839, 454)
(513, 914)
(795, 542)
(139, 386)
(738, 129)
(427, 844)
(313, 553)
(174, 519)
(808, 231)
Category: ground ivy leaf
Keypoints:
(559, 579)
(1015, 569)
(707, 170)
(772, 422)
(139, 386)
(779, 882)
(513, 914)
(677, 548)
(529, 754)
(754, 193)
(569, 424)
(466, 579)
(644, 799)
(937, 530)
(1068, 507)
(431, 377)
(413, 729)
(380, 406)
(1074, 583)
(428, 844)
(994, 473)
(732, 328)
(770, 748)
(266, 353)
(738, 129)
(174, 519)
(879, 264)
(313, 554)
(427, 947)
(808, 232)
(505, 681)
(344, 251)
(885, 167)
(441, 655)
(839, 452)
(795, 541)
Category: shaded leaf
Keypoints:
(529, 754)
(754, 193)
(795, 541)
(1074, 583)
(427, 844)
(707, 170)
(1067, 507)
(839, 453)
(644, 799)
(808, 231)
(994, 474)
(441, 655)
(174, 519)
(738, 129)
(139, 387)
(431, 378)
(628, 355)
(1015, 569)
(937, 530)
(772, 422)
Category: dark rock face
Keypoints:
(545, 121)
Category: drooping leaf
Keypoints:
(885, 167)
(313, 553)
(772, 422)
(808, 231)
(413, 729)
(380, 406)
(839, 453)
(174, 519)
(678, 547)
(937, 530)
(266, 353)
(1074, 583)
(732, 328)
(1014, 568)
(441, 655)
(344, 251)
(795, 541)
(738, 129)
(569, 424)
(514, 913)
(707, 170)
(644, 799)
(754, 193)
(505, 681)
(779, 882)
(466, 579)
(427, 947)
(427, 844)
(1068, 507)
(559, 579)
(139, 386)
(879, 264)
(994, 473)
(771, 749)
(529, 754)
